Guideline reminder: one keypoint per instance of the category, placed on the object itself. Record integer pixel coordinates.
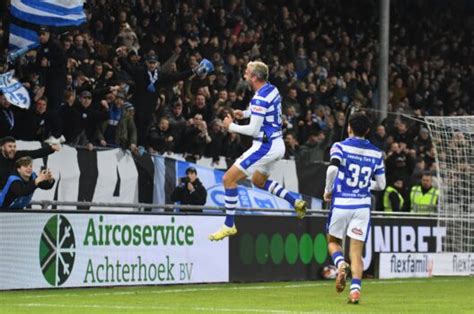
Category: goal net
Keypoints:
(453, 140)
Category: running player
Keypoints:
(354, 162)
(268, 147)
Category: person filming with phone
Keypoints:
(22, 183)
(190, 190)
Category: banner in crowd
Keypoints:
(285, 248)
(14, 91)
(115, 176)
(50, 250)
(168, 171)
(409, 265)
(91, 176)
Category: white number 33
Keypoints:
(356, 179)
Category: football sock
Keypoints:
(276, 189)
(356, 284)
(230, 205)
(337, 258)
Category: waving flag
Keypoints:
(22, 38)
(55, 13)
(28, 15)
(14, 91)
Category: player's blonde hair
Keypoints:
(259, 69)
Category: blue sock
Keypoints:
(230, 205)
(337, 258)
(356, 284)
(276, 189)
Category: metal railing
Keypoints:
(197, 209)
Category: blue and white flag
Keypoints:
(53, 13)
(56, 13)
(21, 40)
(14, 91)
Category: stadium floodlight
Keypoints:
(453, 140)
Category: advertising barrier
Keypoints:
(285, 248)
(47, 250)
(410, 265)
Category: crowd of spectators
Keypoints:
(92, 85)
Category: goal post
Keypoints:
(453, 141)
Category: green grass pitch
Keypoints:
(432, 295)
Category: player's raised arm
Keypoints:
(251, 129)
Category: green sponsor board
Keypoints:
(278, 248)
(108, 250)
(57, 250)
(285, 248)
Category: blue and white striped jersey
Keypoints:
(267, 103)
(360, 162)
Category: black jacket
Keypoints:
(22, 191)
(144, 100)
(7, 166)
(183, 195)
(56, 69)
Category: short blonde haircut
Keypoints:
(259, 69)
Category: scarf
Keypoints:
(153, 78)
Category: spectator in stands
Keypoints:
(292, 100)
(7, 117)
(9, 155)
(424, 196)
(399, 162)
(119, 130)
(422, 143)
(393, 200)
(21, 185)
(197, 137)
(86, 120)
(161, 136)
(315, 148)
(38, 124)
(190, 190)
(51, 64)
(292, 147)
(201, 107)
(67, 115)
(379, 138)
(401, 134)
(147, 81)
(217, 134)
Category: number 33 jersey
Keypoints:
(360, 161)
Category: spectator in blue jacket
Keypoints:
(21, 185)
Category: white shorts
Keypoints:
(261, 157)
(354, 223)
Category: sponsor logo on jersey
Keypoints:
(258, 109)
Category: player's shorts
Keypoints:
(261, 156)
(354, 223)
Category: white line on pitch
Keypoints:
(205, 289)
(152, 307)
